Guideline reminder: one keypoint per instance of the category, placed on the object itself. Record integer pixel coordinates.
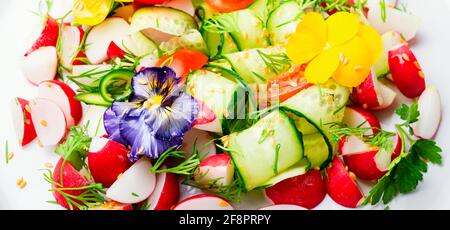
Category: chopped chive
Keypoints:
(6, 152)
(134, 194)
(277, 156)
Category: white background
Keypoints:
(17, 26)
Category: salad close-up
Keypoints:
(225, 105)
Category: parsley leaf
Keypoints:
(410, 114)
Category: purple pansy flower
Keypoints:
(156, 116)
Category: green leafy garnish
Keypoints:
(6, 152)
(76, 146)
(231, 192)
(90, 197)
(406, 172)
(383, 10)
(277, 63)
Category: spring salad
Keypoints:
(144, 98)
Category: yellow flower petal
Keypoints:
(342, 27)
(91, 12)
(356, 62)
(323, 66)
(372, 40)
(309, 39)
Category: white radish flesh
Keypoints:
(71, 39)
(283, 207)
(388, 94)
(396, 20)
(40, 65)
(100, 37)
(134, 185)
(204, 202)
(354, 145)
(49, 121)
(430, 113)
(183, 5)
(201, 139)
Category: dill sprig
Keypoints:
(231, 192)
(90, 197)
(277, 63)
(224, 23)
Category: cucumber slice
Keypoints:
(204, 12)
(139, 45)
(259, 65)
(318, 148)
(298, 169)
(216, 91)
(247, 30)
(263, 8)
(322, 104)
(116, 85)
(283, 22)
(192, 39)
(168, 21)
(390, 39)
(92, 99)
(219, 43)
(265, 150)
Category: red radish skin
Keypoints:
(49, 36)
(166, 193)
(307, 190)
(49, 121)
(341, 186)
(64, 96)
(398, 147)
(114, 51)
(203, 202)
(205, 115)
(406, 71)
(40, 65)
(71, 178)
(353, 145)
(113, 205)
(368, 95)
(364, 166)
(107, 159)
(217, 168)
(23, 124)
(141, 3)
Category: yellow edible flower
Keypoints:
(91, 12)
(341, 47)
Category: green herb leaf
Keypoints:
(410, 114)
(76, 146)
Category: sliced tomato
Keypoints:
(287, 84)
(225, 6)
(183, 62)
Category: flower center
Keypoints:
(153, 101)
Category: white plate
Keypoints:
(432, 47)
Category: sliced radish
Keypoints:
(112, 205)
(93, 119)
(218, 169)
(306, 190)
(353, 145)
(204, 202)
(389, 96)
(40, 65)
(395, 20)
(20, 113)
(205, 115)
(49, 121)
(113, 29)
(166, 193)
(134, 185)
(214, 126)
(71, 40)
(430, 113)
(406, 71)
(283, 207)
(107, 159)
(114, 51)
(48, 37)
(341, 185)
(390, 40)
(368, 93)
(358, 117)
(370, 164)
(60, 93)
(201, 139)
(183, 5)
(71, 178)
